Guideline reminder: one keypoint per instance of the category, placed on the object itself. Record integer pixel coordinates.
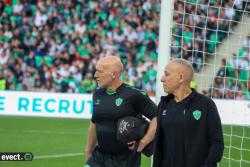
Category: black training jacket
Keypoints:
(203, 139)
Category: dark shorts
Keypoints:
(101, 159)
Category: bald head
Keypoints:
(184, 67)
(108, 72)
(112, 63)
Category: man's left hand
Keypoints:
(142, 145)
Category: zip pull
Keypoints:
(184, 112)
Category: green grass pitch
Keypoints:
(58, 142)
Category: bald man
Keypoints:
(189, 131)
(112, 101)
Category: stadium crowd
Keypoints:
(232, 81)
(54, 45)
(198, 29)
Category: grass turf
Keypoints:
(57, 142)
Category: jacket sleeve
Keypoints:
(157, 146)
(215, 136)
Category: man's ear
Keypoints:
(113, 74)
(181, 77)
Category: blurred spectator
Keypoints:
(88, 84)
(232, 79)
(239, 96)
(3, 82)
(28, 81)
(193, 84)
(223, 72)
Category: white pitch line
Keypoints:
(57, 155)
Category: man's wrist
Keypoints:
(88, 151)
(144, 141)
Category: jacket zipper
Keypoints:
(184, 114)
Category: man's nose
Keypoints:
(162, 79)
(95, 75)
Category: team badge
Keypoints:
(197, 114)
(118, 101)
(97, 102)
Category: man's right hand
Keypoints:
(92, 140)
(87, 154)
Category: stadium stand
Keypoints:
(200, 25)
(232, 81)
(54, 45)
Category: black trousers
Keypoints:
(101, 159)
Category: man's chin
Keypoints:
(167, 91)
(101, 85)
